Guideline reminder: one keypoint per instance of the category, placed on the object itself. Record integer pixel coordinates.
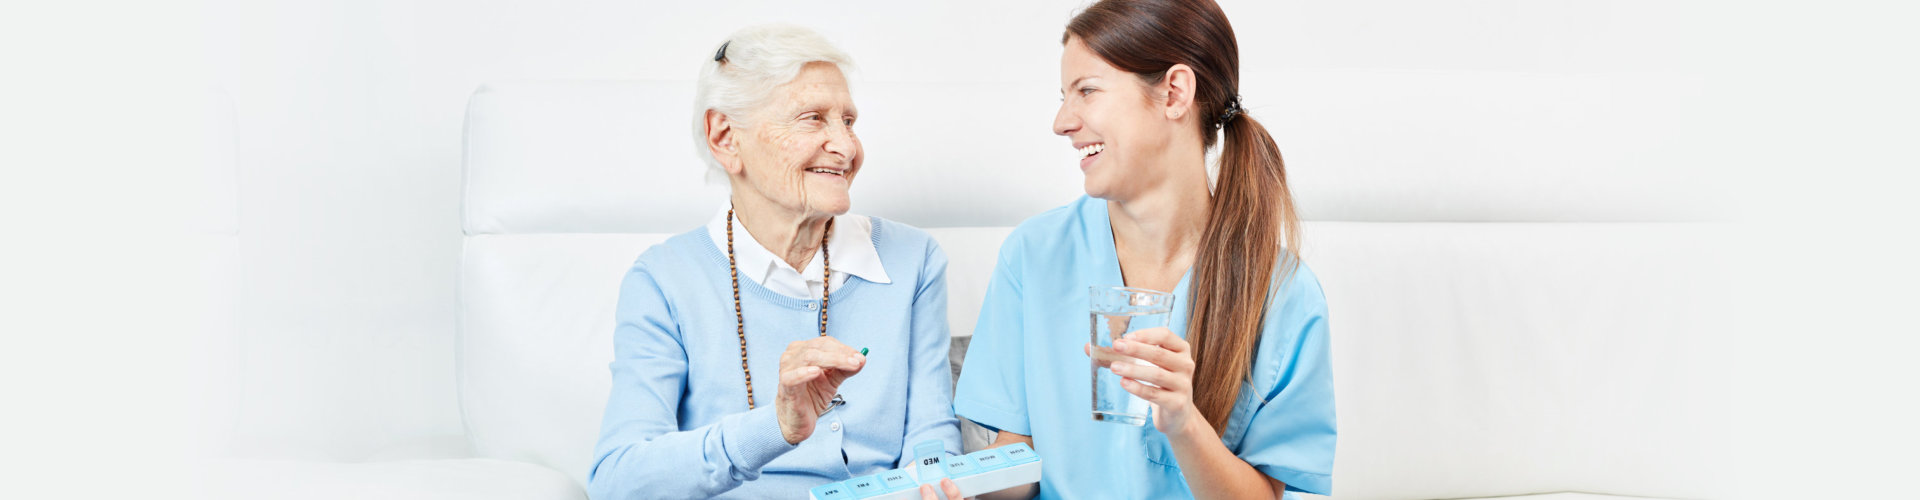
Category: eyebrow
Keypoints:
(1076, 83)
(808, 107)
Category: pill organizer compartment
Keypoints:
(974, 473)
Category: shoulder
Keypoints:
(1295, 334)
(906, 252)
(890, 233)
(1297, 292)
(1296, 305)
(647, 293)
(1296, 314)
(1055, 222)
(681, 252)
(1051, 229)
(894, 241)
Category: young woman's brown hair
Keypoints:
(1252, 233)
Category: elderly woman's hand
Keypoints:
(947, 488)
(810, 373)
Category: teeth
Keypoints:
(825, 171)
(1092, 149)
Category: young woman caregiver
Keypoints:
(1241, 388)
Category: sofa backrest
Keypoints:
(1512, 312)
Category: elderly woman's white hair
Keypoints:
(757, 60)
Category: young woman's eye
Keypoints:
(1086, 90)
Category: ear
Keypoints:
(723, 142)
(1178, 89)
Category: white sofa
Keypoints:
(1503, 324)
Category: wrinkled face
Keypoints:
(1112, 121)
(801, 153)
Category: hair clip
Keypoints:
(1233, 111)
(721, 55)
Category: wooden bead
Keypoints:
(740, 318)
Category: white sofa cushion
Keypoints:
(1483, 359)
(1564, 496)
(536, 335)
(466, 479)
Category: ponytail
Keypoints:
(1250, 238)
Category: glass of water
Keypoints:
(1117, 311)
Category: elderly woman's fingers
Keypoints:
(800, 375)
(824, 352)
(850, 363)
(947, 488)
(830, 346)
(822, 361)
(952, 490)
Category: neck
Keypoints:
(1162, 225)
(792, 236)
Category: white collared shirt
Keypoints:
(851, 244)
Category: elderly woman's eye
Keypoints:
(1086, 90)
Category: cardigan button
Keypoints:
(809, 306)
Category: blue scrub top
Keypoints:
(1025, 372)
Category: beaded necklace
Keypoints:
(740, 318)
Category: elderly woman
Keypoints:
(785, 344)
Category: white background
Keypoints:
(350, 119)
(347, 125)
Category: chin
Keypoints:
(831, 205)
(1096, 187)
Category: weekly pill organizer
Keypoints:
(974, 473)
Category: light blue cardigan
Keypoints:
(677, 424)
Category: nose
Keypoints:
(1065, 122)
(841, 141)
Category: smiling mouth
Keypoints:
(1092, 149)
(829, 171)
